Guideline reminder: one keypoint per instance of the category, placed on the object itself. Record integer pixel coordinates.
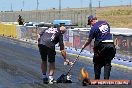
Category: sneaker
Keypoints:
(52, 81)
(45, 80)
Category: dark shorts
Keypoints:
(47, 52)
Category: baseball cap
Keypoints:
(91, 17)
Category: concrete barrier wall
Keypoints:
(1, 29)
(8, 30)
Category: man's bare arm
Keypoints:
(87, 42)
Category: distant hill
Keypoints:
(118, 16)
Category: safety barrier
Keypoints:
(8, 30)
(123, 42)
(73, 39)
(1, 29)
(21, 31)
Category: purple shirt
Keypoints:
(100, 31)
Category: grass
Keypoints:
(120, 16)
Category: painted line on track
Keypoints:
(113, 64)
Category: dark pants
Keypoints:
(107, 69)
(103, 56)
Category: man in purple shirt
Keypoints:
(104, 49)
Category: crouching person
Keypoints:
(47, 40)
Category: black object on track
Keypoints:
(66, 78)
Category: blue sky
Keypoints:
(5, 5)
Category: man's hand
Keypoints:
(38, 37)
(68, 62)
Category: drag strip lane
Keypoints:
(20, 67)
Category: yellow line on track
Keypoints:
(113, 64)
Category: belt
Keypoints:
(107, 41)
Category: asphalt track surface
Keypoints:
(20, 68)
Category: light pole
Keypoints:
(23, 4)
(37, 4)
(99, 3)
(130, 3)
(81, 13)
(11, 8)
(59, 9)
(90, 7)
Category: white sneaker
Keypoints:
(51, 80)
